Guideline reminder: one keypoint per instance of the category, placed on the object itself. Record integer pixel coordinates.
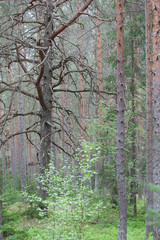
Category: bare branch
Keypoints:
(84, 90)
(71, 20)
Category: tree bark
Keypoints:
(122, 225)
(82, 82)
(149, 105)
(46, 112)
(156, 111)
(44, 83)
(1, 216)
(21, 124)
(99, 100)
(133, 136)
(99, 64)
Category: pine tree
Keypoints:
(122, 225)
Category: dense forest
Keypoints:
(80, 119)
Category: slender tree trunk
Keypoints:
(30, 159)
(1, 187)
(17, 140)
(23, 148)
(4, 171)
(156, 108)
(149, 93)
(63, 123)
(99, 101)
(99, 64)
(3, 152)
(53, 147)
(12, 141)
(82, 82)
(133, 136)
(122, 225)
(21, 126)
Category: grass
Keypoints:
(135, 227)
(18, 227)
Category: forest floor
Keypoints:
(18, 226)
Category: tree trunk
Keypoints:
(21, 123)
(22, 144)
(46, 111)
(3, 155)
(4, 171)
(82, 82)
(99, 64)
(149, 105)
(122, 225)
(156, 111)
(1, 216)
(44, 82)
(133, 137)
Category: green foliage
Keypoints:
(69, 195)
(36, 206)
(100, 223)
(12, 216)
(20, 235)
(104, 131)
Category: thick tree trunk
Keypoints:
(44, 83)
(122, 225)
(46, 112)
(156, 111)
(149, 96)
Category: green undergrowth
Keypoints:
(17, 226)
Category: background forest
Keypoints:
(80, 119)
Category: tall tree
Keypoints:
(149, 105)
(122, 225)
(133, 120)
(82, 82)
(45, 92)
(99, 62)
(156, 111)
(21, 121)
(99, 87)
(1, 216)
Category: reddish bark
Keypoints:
(122, 225)
(149, 105)
(82, 82)
(156, 107)
(71, 20)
